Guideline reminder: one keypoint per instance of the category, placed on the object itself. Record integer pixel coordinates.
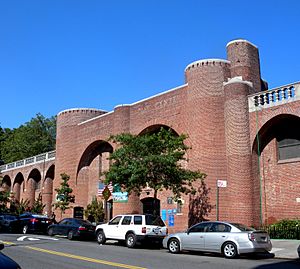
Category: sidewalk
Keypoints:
(285, 249)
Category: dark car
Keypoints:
(6, 262)
(33, 223)
(72, 227)
(8, 222)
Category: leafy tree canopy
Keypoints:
(34, 137)
(152, 160)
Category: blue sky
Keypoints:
(62, 54)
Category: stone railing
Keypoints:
(44, 157)
(274, 97)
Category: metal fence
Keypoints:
(283, 232)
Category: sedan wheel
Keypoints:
(174, 246)
(70, 235)
(229, 250)
(50, 231)
(25, 229)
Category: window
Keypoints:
(288, 148)
(138, 220)
(199, 228)
(126, 220)
(154, 220)
(220, 228)
(115, 221)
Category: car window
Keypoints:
(126, 220)
(82, 221)
(154, 220)
(220, 228)
(115, 221)
(242, 227)
(200, 228)
(138, 220)
(64, 222)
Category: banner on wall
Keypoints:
(120, 197)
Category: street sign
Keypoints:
(222, 183)
(106, 193)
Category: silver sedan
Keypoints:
(229, 239)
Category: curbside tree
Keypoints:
(64, 195)
(152, 160)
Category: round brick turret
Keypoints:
(238, 151)
(205, 117)
(74, 116)
(244, 59)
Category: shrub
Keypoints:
(285, 229)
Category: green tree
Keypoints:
(34, 137)
(64, 195)
(95, 209)
(4, 200)
(19, 207)
(38, 205)
(152, 160)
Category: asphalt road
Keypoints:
(44, 252)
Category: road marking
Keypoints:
(35, 238)
(115, 264)
(276, 249)
(8, 243)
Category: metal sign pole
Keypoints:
(217, 206)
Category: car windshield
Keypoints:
(242, 227)
(154, 220)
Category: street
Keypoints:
(44, 252)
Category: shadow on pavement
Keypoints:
(281, 264)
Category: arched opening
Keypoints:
(276, 164)
(151, 206)
(33, 185)
(93, 163)
(47, 192)
(6, 183)
(19, 186)
(155, 128)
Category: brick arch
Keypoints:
(93, 162)
(6, 183)
(19, 186)
(92, 151)
(47, 192)
(155, 128)
(33, 185)
(271, 177)
(274, 128)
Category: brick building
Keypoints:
(239, 132)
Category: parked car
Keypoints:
(6, 262)
(8, 222)
(229, 239)
(33, 223)
(72, 227)
(131, 229)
